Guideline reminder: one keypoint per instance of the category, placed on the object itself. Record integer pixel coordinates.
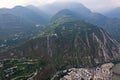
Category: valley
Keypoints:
(27, 69)
(59, 41)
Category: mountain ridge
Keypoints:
(114, 13)
(18, 25)
(72, 35)
(109, 24)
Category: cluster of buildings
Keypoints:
(103, 72)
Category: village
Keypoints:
(28, 69)
(103, 72)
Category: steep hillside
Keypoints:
(109, 24)
(70, 42)
(67, 43)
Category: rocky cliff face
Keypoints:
(69, 43)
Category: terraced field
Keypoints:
(20, 69)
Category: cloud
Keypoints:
(95, 5)
(12, 3)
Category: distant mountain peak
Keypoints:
(31, 6)
(57, 6)
(18, 7)
(117, 8)
(114, 13)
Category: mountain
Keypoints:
(18, 25)
(83, 13)
(114, 13)
(68, 43)
(28, 14)
(53, 8)
(64, 12)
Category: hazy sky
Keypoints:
(94, 5)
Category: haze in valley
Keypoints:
(94, 5)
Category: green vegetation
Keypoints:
(20, 70)
(65, 44)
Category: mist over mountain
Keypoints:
(42, 14)
(29, 14)
(53, 8)
(80, 11)
(114, 13)
(19, 24)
